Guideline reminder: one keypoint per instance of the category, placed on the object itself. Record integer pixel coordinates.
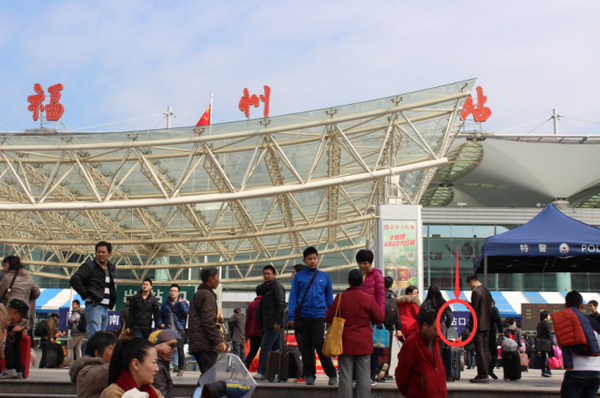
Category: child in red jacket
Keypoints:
(420, 371)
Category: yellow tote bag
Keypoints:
(332, 347)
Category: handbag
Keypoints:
(333, 347)
(543, 345)
(381, 337)
(4, 297)
(299, 308)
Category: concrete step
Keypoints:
(25, 389)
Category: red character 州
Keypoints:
(480, 112)
(54, 110)
(247, 100)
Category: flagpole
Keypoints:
(210, 115)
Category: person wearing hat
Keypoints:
(162, 379)
(10, 321)
(49, 337)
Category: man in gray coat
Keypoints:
(237, 328)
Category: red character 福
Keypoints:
(36, 101)
(247, 100)
(480, 112)
(55, 110)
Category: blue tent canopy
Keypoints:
(550, 242)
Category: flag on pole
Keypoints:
(205, 119)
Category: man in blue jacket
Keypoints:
(173, 315)
(309, 317)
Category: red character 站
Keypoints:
(480, 112)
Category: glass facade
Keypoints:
(441, 243)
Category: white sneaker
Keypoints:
(10, 374)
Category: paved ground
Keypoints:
(531, 380)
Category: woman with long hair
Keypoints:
(133, 365)
(16, 283)
(433, 302)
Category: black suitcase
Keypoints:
(295, 367)
(278, 364)
(453, 357)
(511, 362)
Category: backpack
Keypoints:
(82, 324)
(391, 312)
(41, 329)
(513, 334)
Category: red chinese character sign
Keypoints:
(54, 110)
(253, 100)
(480, 112)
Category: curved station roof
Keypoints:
(498, 170)
(240, 194)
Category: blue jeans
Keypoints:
(271, 341)
(97, 319)
(580, 384)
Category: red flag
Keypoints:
(205, 119)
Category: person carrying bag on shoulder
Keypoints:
(359, 310)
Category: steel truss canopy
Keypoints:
(241, 194)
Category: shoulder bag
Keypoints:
(543, 345)
(4, 297)
(299, 308)
(333, 347)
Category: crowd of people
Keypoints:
(140, 358)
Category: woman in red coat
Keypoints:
(253, 332)
(408, 309)
(374, 286)
(359, 310)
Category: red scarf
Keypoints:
(126, 382)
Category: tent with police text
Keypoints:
(550, 242)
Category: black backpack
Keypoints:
(82, 324)
(391, 311)
(41, 329)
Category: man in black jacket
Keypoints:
(270, 313)
(95, 284)
(493, 343)
(143, 306)
(481, 301)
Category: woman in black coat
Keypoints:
(544, 331)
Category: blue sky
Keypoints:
(129, 59)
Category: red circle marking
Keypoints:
(439, 317)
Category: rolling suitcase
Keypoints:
(454, 357)
(278, 364)
(25, 347)
(511, 362)
(524, 362)
(295, 366)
